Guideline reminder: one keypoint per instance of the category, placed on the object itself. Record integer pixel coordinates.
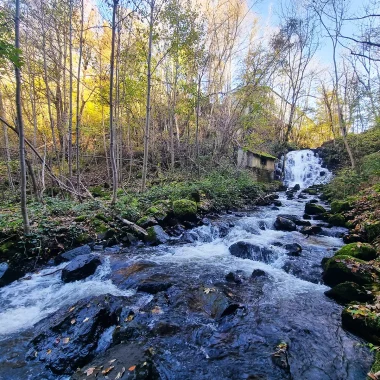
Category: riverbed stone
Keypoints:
(69, 338)
(156, 235)
(296, 219)
(339, 206)
(246, 250)
(337, 220)
(314, 209)
(284, 224)
(347, 292)
(9, 274)
(293, 249)
(185, 209)
(311, 230)
(72, 254)
(363, 251)
(80, 268)
(342, 268)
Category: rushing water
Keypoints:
(289, 305)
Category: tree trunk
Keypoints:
(24, 210)
(148, 95)
(70, 128)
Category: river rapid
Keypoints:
(221, 328)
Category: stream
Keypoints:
(204, 325)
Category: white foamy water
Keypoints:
(303, 167)
(27, 301)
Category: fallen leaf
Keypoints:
(48, 352)
(66, 340)
(35, 354)
(108, 370)
(89, 371)
(157, 310)
(120, 374)
(132, 368)
(73, 321)
(71, 309)
(129, 318)
(111, 361)
(86, 319)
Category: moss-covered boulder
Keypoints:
(147, 221)
(314, 209)
(372, 230)
(362, 251)
(156, 235)
(341, 268)
(347, 292)
(184, 208)
(337, 220)
(339, 206)
(363, 321)
(310, 191)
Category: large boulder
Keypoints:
(337, 220)
(340, 269)
(314, 209)
(372, 230)
(80, 268)
(72, 254)
(311, 230)
(246, 250)
(185, 209)
(157, 235)
(69, 338)
(284, 224)
(347, 292)
(339, 206)
(296, 219)
(362, 251)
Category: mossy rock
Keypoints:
(347, 292)
(362, 251)
(156, 235)
(83, 238)
(7, 247)
(146, 221)
(80, 218)
(310, 191)
(342, 268)
(157, 212)
(337, 220)
(314, 209)
(184, 208)
(363, 322)
(339, 206)
(372, 230)
(376, 364)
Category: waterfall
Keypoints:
(304, 167)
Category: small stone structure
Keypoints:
(262, 164)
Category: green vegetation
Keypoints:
(362, 251)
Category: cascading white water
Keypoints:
(304, 167)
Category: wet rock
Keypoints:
(339, 207)
(156, 235)
(277, 244)
(280, 357)
(258, 273)
(81, 267)
(293, 249)
(275, 208)
(9, 274)
(223, 229)
(124, 362)
(69, 338)
(340, 269)
(372, 230)
(235, 277)
(362, 251)
(246, 250)
(306, 216)
(352, 238)
(296, 187)
(154, 287)
(147, 221)
(277, 203)
(314, 209)
(284, 224)
(297, 220)
(302, 196)
(311, 230)
(189, 237)
(347, 292)
(72, 254)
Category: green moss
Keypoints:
(376, 365)
(145, 220)
(102, 217)
(343, 268)
(362, 251)
(337, 220)
(184, 208)
(339, 206)
(80, 218)
(314, 209)
(83, 238)
(7, 247)
(349, 291)
(157, 211)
